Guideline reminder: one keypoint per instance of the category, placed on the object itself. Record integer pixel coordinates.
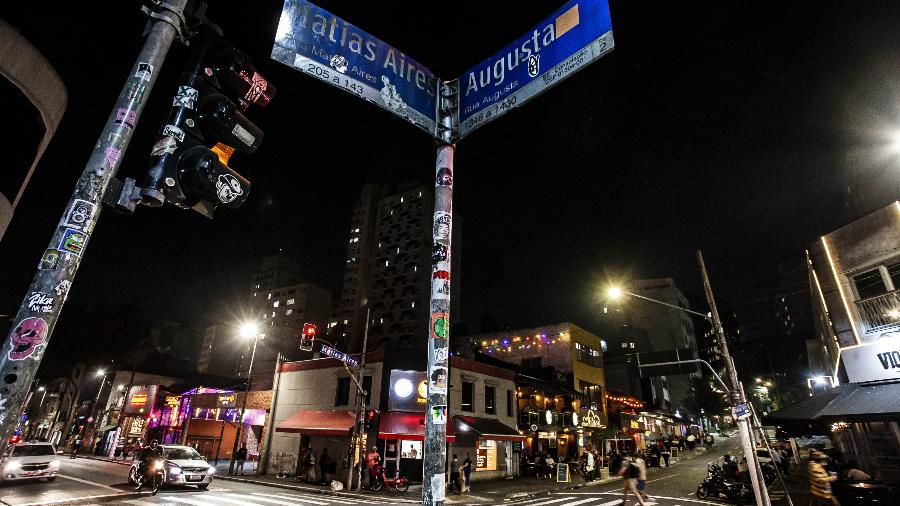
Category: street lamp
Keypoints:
(101, 373)
(246, 331)
(737, 391)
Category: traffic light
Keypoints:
(371, 420)
(189, 162)
(307, 336)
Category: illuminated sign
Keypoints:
(173, 401)
(226, 400)
(592, 420)
(141, 399)
(635, 424)
(408, 392)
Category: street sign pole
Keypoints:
(737, 395)
(30, 335)
(436, 415)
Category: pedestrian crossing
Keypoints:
(605, 499)
(219, 498)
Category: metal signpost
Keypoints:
(30, 335)
(318, 43)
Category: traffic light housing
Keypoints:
(371, 419)
(189, 162)
(307, 336)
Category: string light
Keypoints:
(524, 342)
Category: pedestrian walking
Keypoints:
(467, 473)
(666, 455)
(589, 466)
(454, 475)
(691, 441)
(630, 474)
(642, 478)
(240, 457)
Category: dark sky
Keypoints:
(745, 129)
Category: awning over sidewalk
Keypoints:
(851, 402)
(318, 423)
(487, 428)
(408, 426)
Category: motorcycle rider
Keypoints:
(149, 455)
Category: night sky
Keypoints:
(745, 129)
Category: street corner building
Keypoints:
(854, 359)
(314, 404)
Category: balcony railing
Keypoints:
(881, 312)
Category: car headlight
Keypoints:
(211, 470)
(174, 470)
(12, 466)
(54, 463)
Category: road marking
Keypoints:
(665, 478)
(293, 498)
(274, 501)
(140, 502)
(68, 500)
(229, 500)
(303, 498)
(195, 502)
(101, 485)
(553, 501)
(589, 499)
(697, 501)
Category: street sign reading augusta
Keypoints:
(328, 48)
(569, 39)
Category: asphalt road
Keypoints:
(85, 481)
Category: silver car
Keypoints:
(29, 461)
(183, 466)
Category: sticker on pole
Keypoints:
(28, 339)
(73, 241)
(741, 411)
(572, 37)
(439, 415)
(438, 486)
(322, 45)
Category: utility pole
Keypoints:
(270, 424)
(737, 395)
(436, 416)
(33, 325)
(240, 425)
(121, 417)
(357, 453)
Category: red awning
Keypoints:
(319, 423)
(487, 428)
(408, 426)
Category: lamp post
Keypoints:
(102, 373)
(737, 391)
(247, 330)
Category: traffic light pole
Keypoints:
(30, 335)
(355, 452)
(436, 415)
(737, 395)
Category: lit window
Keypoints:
(381, 321)
(288, 312)
(276, 303)
(420, 194)
(414, 304)
(401, 200)
(273, 314)
(269, 297)
(386, 263)
(415, 268)
(345, 322)
(398, 251)
(265, 316)
(624, 345)
(290, 301)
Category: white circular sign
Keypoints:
(403, 387)
(548, 417)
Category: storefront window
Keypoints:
(411, 450)
(486, 460)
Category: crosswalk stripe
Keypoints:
(225, 498)
(342, 500)
(589, 499)
(275, 501)
(185, 500)
(553, 501)
(139, 502)
(291, 497)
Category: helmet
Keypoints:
(727, 458)
(154, 442)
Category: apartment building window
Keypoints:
(877, 281)
(588, 355)
(276, 303)
(290, 301)
(509, 403)
(489, 400)
(468, 397)
(342, 396)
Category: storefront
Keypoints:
(215, 422)
(400, 436)
(490, 445)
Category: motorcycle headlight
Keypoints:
(159, 466)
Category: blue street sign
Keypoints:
(741, 411)
(340, 355)
(328, 48)
(573, 36)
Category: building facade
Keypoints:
(388, 270)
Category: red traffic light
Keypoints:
(309, 329)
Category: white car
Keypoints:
(29, 461)
(183, 466)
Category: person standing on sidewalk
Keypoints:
(454, 476)
(665, 454)
(240, 456)
(589, 466)
(373, 459)
(467, 474)
(630, 474)
(691, 441)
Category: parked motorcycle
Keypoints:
(397, 482)
(716, 486)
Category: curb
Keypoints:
(308, 489)
(522, 495)
(100, 459)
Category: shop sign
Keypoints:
(140, 399)
(173, 401)
(635, 424)
(591, 420)
(486, 456)
(408, 392)
(226, 401)
(137, 427)
(517, 447)
(873, 362)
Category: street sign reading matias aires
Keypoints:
(569, 39)
(328, 48)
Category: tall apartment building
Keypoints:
(645, 326)
(388, 270)
(280, 302)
